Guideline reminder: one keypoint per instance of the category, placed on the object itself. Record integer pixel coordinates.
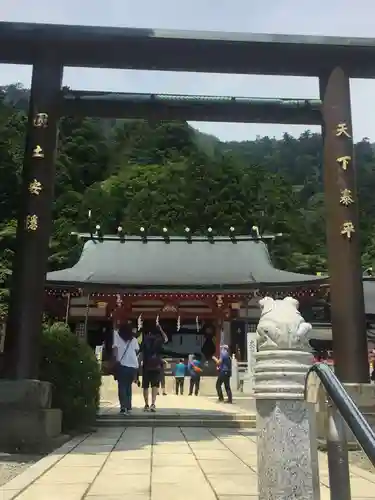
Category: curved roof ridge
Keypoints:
(176, 262)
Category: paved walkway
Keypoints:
(159, 464)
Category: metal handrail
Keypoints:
(321, 374)
(340, 408)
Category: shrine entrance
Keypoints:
(49, 48)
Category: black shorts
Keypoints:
(150, 378)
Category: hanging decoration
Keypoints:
(269, 291)
(140, 322)
(197, 323)
(178, 323)
(222, 336)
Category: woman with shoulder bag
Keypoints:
(125, 361)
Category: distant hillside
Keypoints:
(167, 174)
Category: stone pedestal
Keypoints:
(235, 374)
(251, 346)
(27, 421)
(287, 450)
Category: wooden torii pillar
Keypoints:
(34, 223)
(343, 238)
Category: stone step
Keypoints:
(131, 421)
(183, 416)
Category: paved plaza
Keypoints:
(161, 463)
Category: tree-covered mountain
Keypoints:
(133, 173)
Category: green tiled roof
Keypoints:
(177, 263)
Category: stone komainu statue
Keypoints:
(287, 461)
(281, 325)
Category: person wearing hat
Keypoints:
(224, 367)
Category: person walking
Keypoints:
(224, 366)
(195, 372)
(125, 349)
(179, 376)
(151, 365)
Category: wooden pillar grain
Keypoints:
(343, 238)
(34, 223)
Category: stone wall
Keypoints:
(364, 397)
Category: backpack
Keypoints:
(151, 357)
(227, 366)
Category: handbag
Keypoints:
(114, 363)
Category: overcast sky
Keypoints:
(347, 18)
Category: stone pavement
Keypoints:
(163, 463)
(157, 464)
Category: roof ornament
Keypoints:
(90, 224)
(368, 273)
(255, 232)
(166, 236)
(120, 233)
(98, 232)
(256, 235)
(143, 234)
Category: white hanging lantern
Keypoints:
(118, 300)
(197, 323)
(140, 322)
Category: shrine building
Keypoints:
(203, 290)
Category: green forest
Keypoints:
(134, 173)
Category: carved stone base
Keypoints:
(27, 421)
(25, 394)
(287, 463)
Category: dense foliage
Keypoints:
(71, 366)
(133, 173)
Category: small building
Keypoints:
(202, 290)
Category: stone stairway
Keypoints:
(174, 419)
(174, 411)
